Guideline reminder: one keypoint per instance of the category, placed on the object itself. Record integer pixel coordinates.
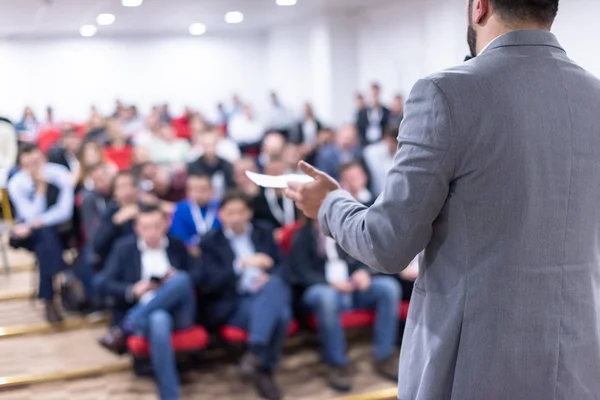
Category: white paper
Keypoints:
(279, 181)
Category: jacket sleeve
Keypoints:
(217, 276)
(105, 235)
(110, 279)
(389, 234)
(306, 268)
(179, 225)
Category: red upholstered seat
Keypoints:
(193, 339)
(361, 318)
(232, 334)
(286, 236)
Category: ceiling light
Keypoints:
(286, 2)
(88, 30)
(197, 29)
(132, 3)
(234, 17)
(105, 19)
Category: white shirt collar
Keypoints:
(229, 234)
(143, 247)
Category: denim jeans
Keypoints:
(172, 308)
(265, 315)
(328, 304)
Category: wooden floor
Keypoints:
(38, 358)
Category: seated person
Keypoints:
(333, 283)
(42, 194)
(271, 205)
(354, 179)
(162, 186)
(148, 276)
(117, 221)
(242, 278)
(219, 170)
(197, 215)
(65, 152)
(344, 149)
(242, 181)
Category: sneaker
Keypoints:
(339, 378)
(114, 341)
(53, 316)
(249, 366)
(387, 368)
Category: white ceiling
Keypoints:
(21, 19)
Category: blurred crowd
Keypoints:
(169, 233)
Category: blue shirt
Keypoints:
(31, 206)
(243, 247)
(190, 228)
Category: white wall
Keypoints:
(407, 40)
(72, 75)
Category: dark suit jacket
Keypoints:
(297, 136)
(200, 166)
(219, 283)
(362, 123)
(263, 213)
(108, 233)
(57, 155)
(307, 265)
(124, 268)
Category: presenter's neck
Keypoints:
(496, 28)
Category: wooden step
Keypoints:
(17, 285)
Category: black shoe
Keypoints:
(53, 316)
(265, 386)
(115, 341)
(387, 368)
(339, 378)
(249, 366)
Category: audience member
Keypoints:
(246, 130)
(226, 149)
(118, 149)
(117, 221)
(149, 276)
(198, 214)
(272, 206)
(354, 179)
(307, 129)
(242, 181)
(162, 187)
(131, 122)
(242, 273)
(272, 147)
(280, 119)
(291, 156)
(379, 158)
(95, 128)
(372, 121)
(334, 283)
(28, 127)
(219, 170)
(344, 149)
(165, 148)
(42, 194)
(66, 151)
(396, 111)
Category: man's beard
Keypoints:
(472, 40)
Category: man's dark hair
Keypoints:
(391, 131)
(200, 175)
(236, 195)
(352, 164)
(26, 148)
(69, 130)
(118, 176)
(92, 168)
(540, 11)
(149, 209)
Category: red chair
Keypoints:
(361, 318)
(232, 334)
(286, 236)
(189, 340)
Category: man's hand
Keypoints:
(343, 287)
(21, 231)
(142, 287)
(362, 280)
(261, 281)
(194, 251)
(125, 214)
(309, 196)
(258, 260)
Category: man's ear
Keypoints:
(481, 10)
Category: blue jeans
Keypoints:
(172, 308)
(328, 304)
(265, 315)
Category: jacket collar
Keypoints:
(524, 38)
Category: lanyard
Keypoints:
(203, 223)
(285, 215)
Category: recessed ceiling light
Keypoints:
(132, 3)
(234, 17)
(197, 29)
(105, 19)
(286, 2)
(88, 30)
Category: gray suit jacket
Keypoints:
(498, 175)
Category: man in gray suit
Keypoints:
(497, 176)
